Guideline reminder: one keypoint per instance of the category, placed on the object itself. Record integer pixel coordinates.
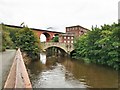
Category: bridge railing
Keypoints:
(57, 44)
(18, 76)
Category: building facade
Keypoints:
(71, 33)
(76, 30)
(66, 38)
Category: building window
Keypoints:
(71, 37)
(71, 41)
(64, 41)
(67, 30)
(68, 37)
(68, 41)
(64, 37)
(82, 32)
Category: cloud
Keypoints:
(58, 13)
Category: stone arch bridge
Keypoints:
(68, 48)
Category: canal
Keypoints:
(64, 72)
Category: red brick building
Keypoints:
(71, 32)
(76, 30)
(66, 38)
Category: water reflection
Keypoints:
(43, 58)
(67, 73)
(94, 75)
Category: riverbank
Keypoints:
(88, 61)
(26, 58)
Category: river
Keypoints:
(64, 72)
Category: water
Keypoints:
(68, 73)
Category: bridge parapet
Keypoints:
(18, 76)
(67, 47)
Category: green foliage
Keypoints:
(7, 43)
(100, 45)
(22, 38)
(55, 39)
(7, 37)
(28, 42)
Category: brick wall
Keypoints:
(71, 32)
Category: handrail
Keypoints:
(18, 76)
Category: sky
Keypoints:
(58, 14)
(119, 10)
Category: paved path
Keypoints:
(18, 76)
(7, 60)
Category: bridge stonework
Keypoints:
(64, 46)
(49, 34)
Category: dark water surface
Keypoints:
(63, 72)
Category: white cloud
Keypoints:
(58, 13)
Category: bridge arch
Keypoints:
(47, 36)
(57, 47)
(72, 52)
(66, 47)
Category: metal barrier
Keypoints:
(18, 76)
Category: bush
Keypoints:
(28, 42)
(55, 39)
(100, 45)
(22, 38)
(6, 40)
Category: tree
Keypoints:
(7, 42)
(56, 39)
(100, 45)
(28, 42)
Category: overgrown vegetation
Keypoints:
(55, 39)
(6, 41)
(22, 38)
(101, 46)
(27, 41)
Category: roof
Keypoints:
(77, 26)
(67, 34)
(31, 28)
